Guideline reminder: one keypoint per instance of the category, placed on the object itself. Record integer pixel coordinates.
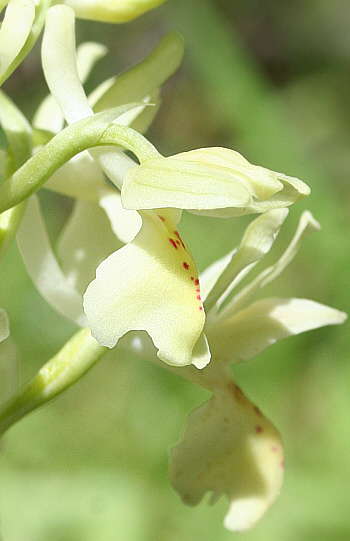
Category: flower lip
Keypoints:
(150, 284)
(229, 447)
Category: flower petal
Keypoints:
(61, 73)
(15, 29)
(59, 60)
(80, 178)
(17, 130)
(307, 224)
(124, 223)
(111, 11)
(229, 447)
(49, 116)
(257, 242)
(84, 243)
(43, 268)
(142, 83)
(146, 77)
(250, 331)
(151, 284)
(88, 54)
(201, 352)
(211, 274)
(209, 179)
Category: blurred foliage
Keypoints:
(271, 80)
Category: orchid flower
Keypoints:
(147, 295)
(149, 284)
(228, 446)
(221, 180)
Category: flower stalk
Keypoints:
(76, 357)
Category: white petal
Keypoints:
(111, 11)
(209, 180)
(307, 224)
(80, 178)
(124, 223)
(43, 268)
(15, 30)
(151, 284)
(169, 182)
(210, 275)
(49, 116)
(59, 64)
(17, 129)
(201, 352)
(144, 79)
(248, 332)
(88, 54)
(61, 73)
(230, 448)
(84, 243)
(257, 242)
(140, 83)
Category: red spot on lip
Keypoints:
(178, 242)
(196, 282)
(185, 265)
(173, 243)
(201, 308)
(161, 218)
(192, 278)
(199, 297)
(258, 429)
(198, 290)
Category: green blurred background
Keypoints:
(271, 80)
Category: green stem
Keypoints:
(93, 131)
(76, 357)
